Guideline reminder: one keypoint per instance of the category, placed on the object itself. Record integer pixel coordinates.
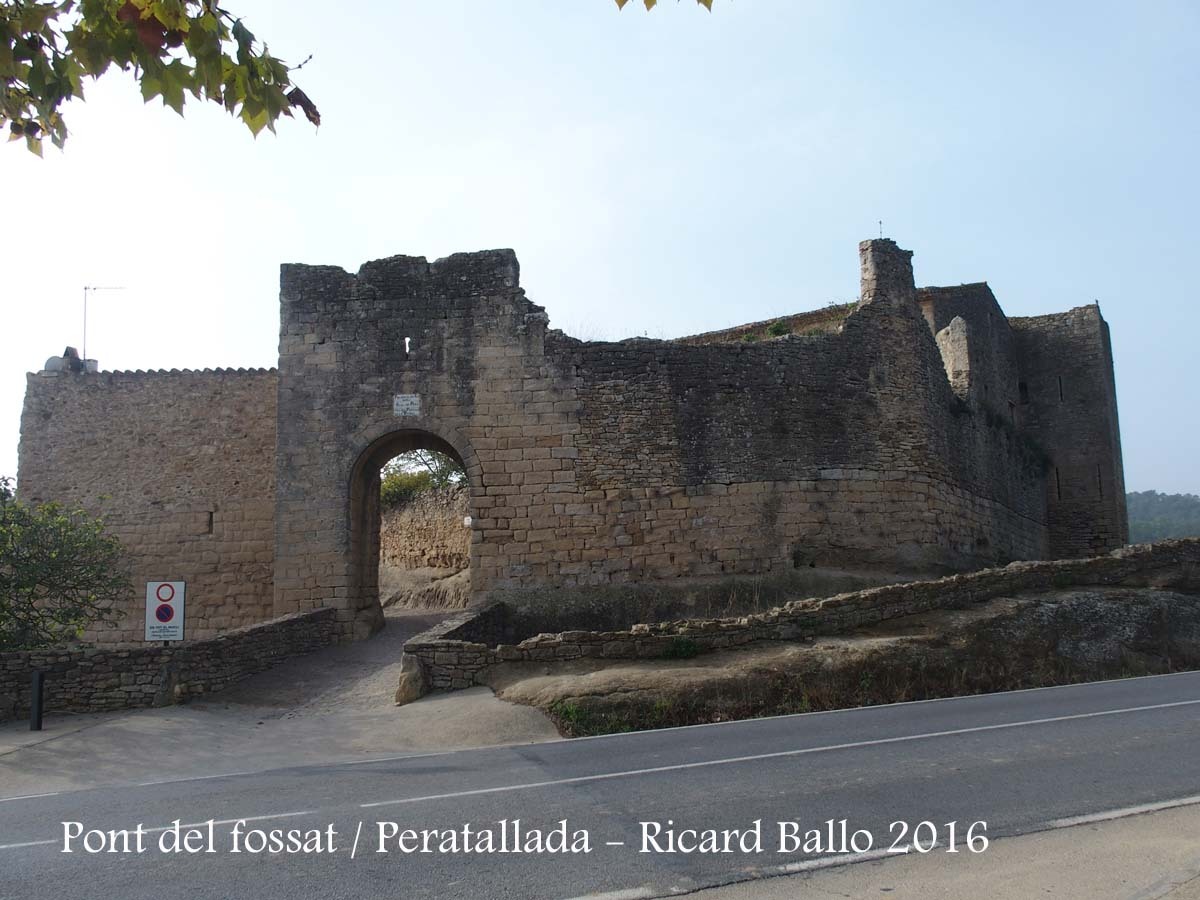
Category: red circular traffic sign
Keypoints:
(165, 592)
(165, 613)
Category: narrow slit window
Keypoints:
(1057, 483)
(209, 526)
(407, 344)
(1060, 389)
(1023, 391)
(1099, 482)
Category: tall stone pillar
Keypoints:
(886, 273)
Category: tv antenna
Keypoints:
(86, 289)
(881, 229)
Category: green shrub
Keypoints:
(416, 471)
(59, 573)
(398, 487)
(779, 329)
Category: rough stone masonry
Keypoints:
(918, 430)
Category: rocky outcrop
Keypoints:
(1007, 643)
(427, 532)
(439, 591)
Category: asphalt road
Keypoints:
(1019, 761)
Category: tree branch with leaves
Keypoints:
(60, 573)
(173, 47)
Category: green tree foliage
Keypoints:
(1154, 516)
(397, 487)
(59, 573)
(415, 472)
(174, 47)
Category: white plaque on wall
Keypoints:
(406, 404)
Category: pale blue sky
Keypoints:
(661, 174)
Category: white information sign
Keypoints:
(164, 610)
(406, 404)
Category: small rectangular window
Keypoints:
(1060, 389)
(1057, 483)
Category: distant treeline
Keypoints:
(1153, 516)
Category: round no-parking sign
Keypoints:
(164, 610)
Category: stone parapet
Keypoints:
(98, 680)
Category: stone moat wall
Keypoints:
(466, 649)
(881, 437)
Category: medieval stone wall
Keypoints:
(181, 464)
(839, 448)
(817, 321)
(1068, 402)
(852, 446)
(992, 368)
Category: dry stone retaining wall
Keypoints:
(100, 679)
(463, 650)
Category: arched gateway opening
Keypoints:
(413, 550)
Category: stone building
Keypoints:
(917, 430)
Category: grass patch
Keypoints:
(681, 648)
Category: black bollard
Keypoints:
(36, 690)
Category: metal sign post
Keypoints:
(37, 689)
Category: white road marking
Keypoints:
(191, 778)
(1111, 814)
(26, 844)
(30, 796)
(733, 760)
(630, 894)
(842, 859)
